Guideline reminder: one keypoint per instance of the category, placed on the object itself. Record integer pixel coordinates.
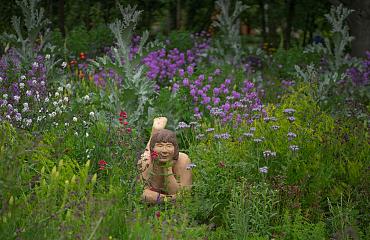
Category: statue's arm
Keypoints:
(150, 196)
(185, 173)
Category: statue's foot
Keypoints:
(159, 123)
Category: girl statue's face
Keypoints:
(165, 150)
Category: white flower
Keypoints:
(34, 82)
(39, 119)
(55, 123)
(8, 116)
(42, 83)
(68, 86)
(25, 105)
(15, 110)
(65, 99)
(53, 114)
(23, 77)
(4, 103)
(60, 89)
(35, 64)
(74, 119)
(1, 79)
(28, 93)
(5, 96)
(47, 56)
(84, 122)
(86, 98)
(64, 64)
(28, 122)
(57, 94)
(76, 133)
(91, 114)
(55, 103)
(21, 85)
(66, 124)
(16, 98)
(87, 134)
(46, 100)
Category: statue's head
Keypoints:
(164, 142)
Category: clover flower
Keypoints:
(190, 166)
(275, 127)
(248, 134)
(257, 140)
(268, 154)
(210, 129)
(182, 125)
(294, 148)
(289, 111)
(291, 135)
(263, 169)
(291, 119)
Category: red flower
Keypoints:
(158, 214)
(101, 167)
(154, 155)
(128, 130)
(120, 120)
(73, 62)
(125, 123)
(102, 163)
(82, 56)
(123, 114)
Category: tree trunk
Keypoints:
(178, 14)
(261, 4)
(289, 22)
(61, 17)
(359, 26)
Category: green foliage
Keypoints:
(82, 40)
(252, 211)
(297, 227)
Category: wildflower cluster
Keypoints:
(221, 101)
(24, 93)
(165, 64)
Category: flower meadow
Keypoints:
(277, 151)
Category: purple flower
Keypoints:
(289, 111)
(217, 72)
(294, 148)
(185, 82)
(263, 169)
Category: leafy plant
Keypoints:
(227, 48)
(37, 34)
(135, 94)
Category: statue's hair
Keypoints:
(165, 135)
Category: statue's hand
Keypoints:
(159, 123)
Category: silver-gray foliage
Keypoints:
(35, 40)
(334, 48)
(227, 48)
(135, 94)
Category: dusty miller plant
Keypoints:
(34, 40)
(334, 49)
(135, 93)
(227, 47)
